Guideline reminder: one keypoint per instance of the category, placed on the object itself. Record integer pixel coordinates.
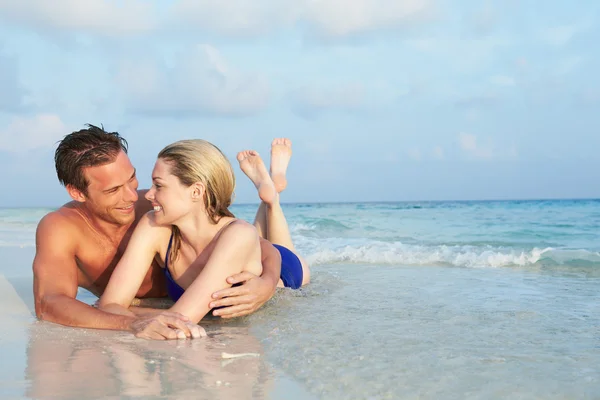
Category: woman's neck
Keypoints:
(198, 231)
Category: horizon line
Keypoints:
(381, 201)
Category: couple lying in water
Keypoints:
(177, 239)
(196, 238)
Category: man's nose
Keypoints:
(131, 193)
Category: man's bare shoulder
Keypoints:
(66, 218)
(69, 218)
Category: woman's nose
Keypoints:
(149, 194)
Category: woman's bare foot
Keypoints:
(281, 152)
(254, 168)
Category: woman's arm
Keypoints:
(129, 273)
(236, 248)
(255, 291)
(127, 278)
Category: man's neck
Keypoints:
(111, 231)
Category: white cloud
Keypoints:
(469, 145)
(329, 18)
(567, 65)
(391, 157)
(484, 19)
(235, 17)
(472, 114)
(311, 101)
(438, 153)
(463, 54)
(415, 154)
(562, 35)
(333, 18)
(24, 134)
(502, 80)
(589, 96)
(12, 93)
(320, 148)
(478, 100)
(347, 17)
(107, 18)
(468, 142)
(521, 62)
(200, 82)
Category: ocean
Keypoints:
(415, 300)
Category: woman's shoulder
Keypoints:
(148, 224)
(238, 228)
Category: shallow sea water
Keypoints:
(461, 300)
(440, 333)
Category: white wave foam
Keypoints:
(462, 256)
(15, 236)
(299, 227)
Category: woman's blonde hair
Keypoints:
(197, 160)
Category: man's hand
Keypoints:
(166, 326)
(242, 300)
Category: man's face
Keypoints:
(112, 190)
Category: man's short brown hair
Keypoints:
(89, 147)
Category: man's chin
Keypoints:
(123, 218)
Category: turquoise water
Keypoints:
(479, 234)
(461, 234)
(460, 300)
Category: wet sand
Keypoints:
(45, 360)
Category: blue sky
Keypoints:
(384, 100)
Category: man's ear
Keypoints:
(75, 194)
(198, 190)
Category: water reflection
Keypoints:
(72, 363)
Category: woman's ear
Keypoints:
(198, 190)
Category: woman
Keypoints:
(194, 235)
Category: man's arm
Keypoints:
(55, 280)
(254, 291)
(55, 288)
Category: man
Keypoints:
(80, 244)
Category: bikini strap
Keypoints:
(227, 226)
(168, 252)
(229, 223)
(171, 242)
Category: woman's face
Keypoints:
(169, 197)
